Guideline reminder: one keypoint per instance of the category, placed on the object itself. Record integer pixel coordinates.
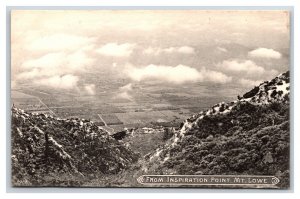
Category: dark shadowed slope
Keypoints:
(48, 151)
(249, 136)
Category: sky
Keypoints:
(56, 48)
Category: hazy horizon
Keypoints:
(56, 49)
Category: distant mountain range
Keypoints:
(249, 136)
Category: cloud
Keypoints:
(224, 50)
(125, 92)
(178, 74)
(157, 51)
(50, 60)
(59, 63)
(249, 82)
(152, 51)
(78, 60)
(186, 50)
(38, 33)
(127, 87)
(215, 76)
(59, 42)
(265, 53)
(124, 95)
(59, 82)
(56, 69)
(90, 89)
(116, 50)
(29, 74)
(246, 66)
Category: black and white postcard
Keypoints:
(150, 98)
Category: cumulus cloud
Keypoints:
(178, 74)
(124, 95)
(265, 53)
(28, 74)
(59, 82)
(125, 92)
(220, 49)
(249, 82)
(116, 50)
(50, 60)
(56, 69)
(55, 64)
(127, 87)
(78, 60)
(186, 50)
(157, 51)
(55, 57)
(215, 76)
(246, 66)
(58, 42)
(90, 89)
(152, 51)
(114, 65)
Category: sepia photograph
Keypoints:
(150, 98)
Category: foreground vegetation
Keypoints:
(250, 140)
(249, 136)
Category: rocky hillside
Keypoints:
(48, 151)
(249, 136)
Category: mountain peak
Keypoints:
(278, 89)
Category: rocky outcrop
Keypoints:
(248, 136)
(44, 146)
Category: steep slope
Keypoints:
(249, 136)
(52, 151)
